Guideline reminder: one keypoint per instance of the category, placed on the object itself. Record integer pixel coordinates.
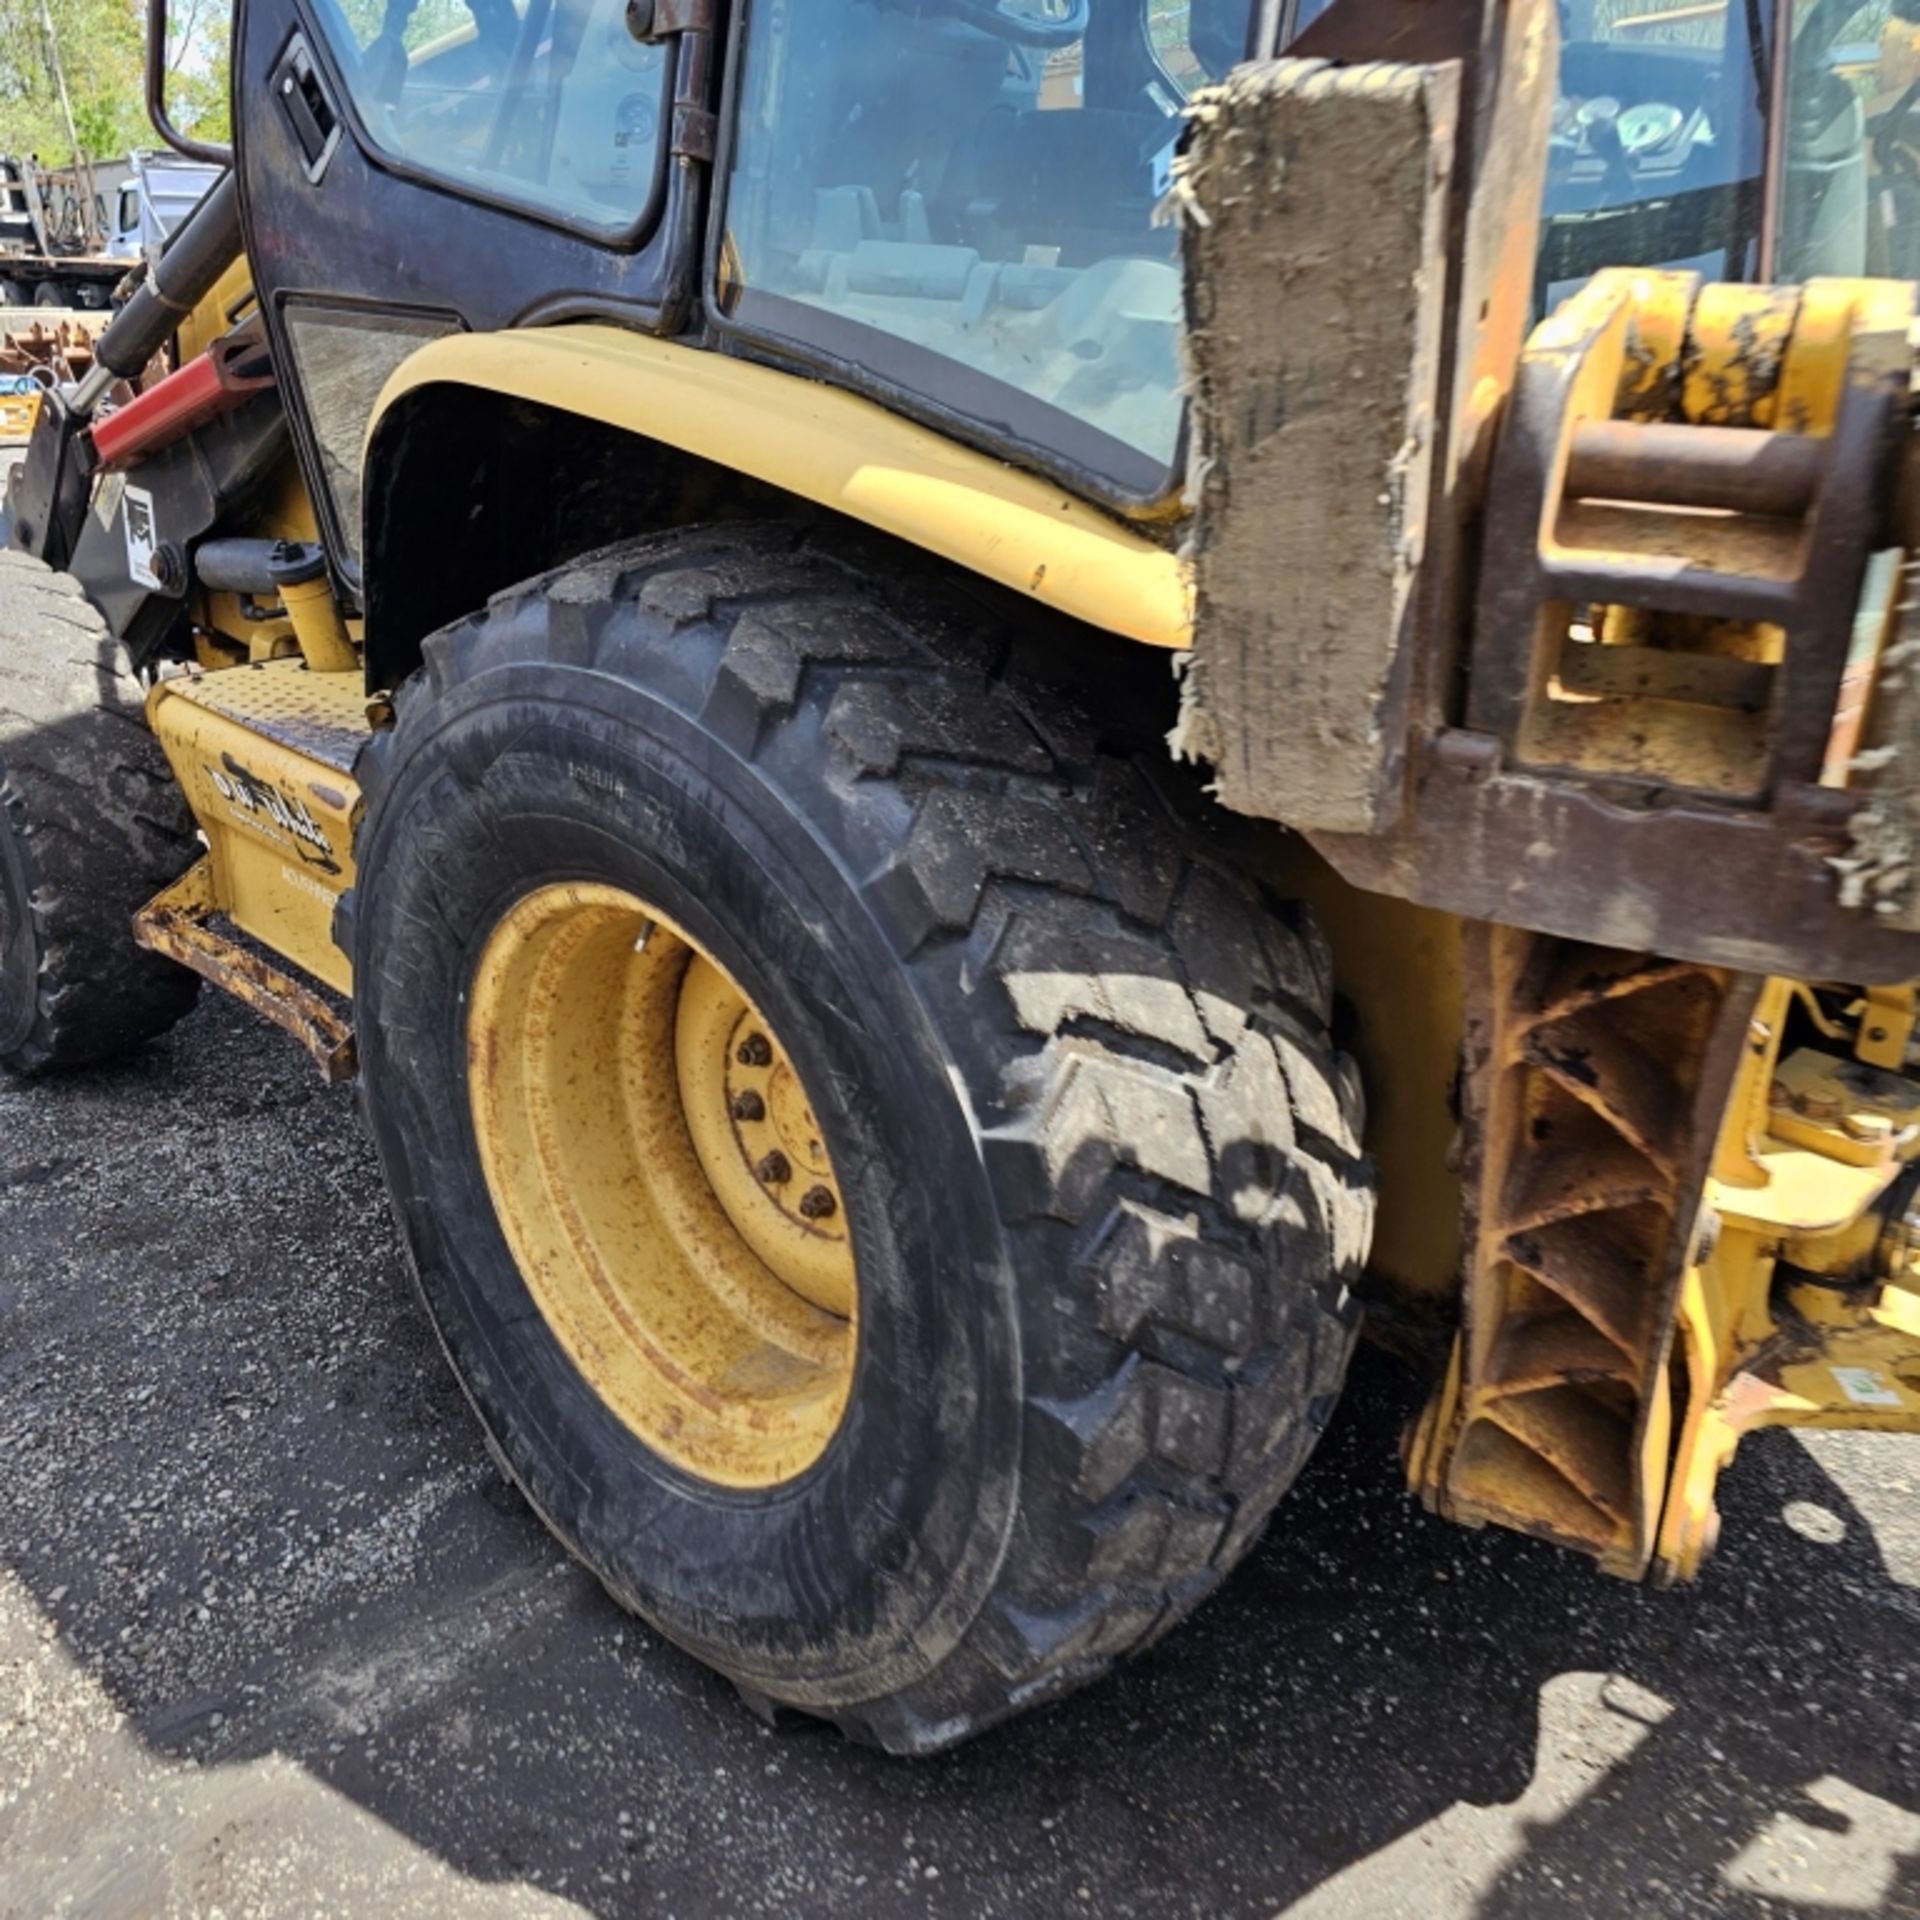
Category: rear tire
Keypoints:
(1100, 1161)
(48, 294)
(92, 826)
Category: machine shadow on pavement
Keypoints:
(244, 1492)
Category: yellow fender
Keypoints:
(838, 450)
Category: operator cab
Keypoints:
(958, 207)
(1669, 111)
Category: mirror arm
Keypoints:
(208, 150)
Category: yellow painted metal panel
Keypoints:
(263, 755)
(838, 450)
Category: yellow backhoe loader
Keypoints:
(976, 715)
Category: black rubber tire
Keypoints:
(1101, 1161)
(92, 826)
(49, 293)
(13, 294)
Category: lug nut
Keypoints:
(818, 1204)
(754, 1051)
(749, 1106)
(775, 1170)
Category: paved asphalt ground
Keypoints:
(275, 1640)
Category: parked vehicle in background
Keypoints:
(67, 235)
(156, 192)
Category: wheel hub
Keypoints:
(759, 1141)
(663, 1184)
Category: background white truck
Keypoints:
(68, 235)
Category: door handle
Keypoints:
(305, 106)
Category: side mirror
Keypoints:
(208, 150)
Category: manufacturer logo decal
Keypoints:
(275, 813)
(141, 537)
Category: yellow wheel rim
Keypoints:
(656, 1166)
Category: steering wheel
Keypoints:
(1048, 25)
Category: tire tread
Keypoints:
(98, 822)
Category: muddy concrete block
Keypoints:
(1315, 203)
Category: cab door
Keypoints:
(409, 168)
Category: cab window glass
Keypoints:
(1850, 178)
(960, 196)
(1196, 44)
(548, 104)
(1656, 157)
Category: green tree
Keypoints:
(100, 47)
(199, 33)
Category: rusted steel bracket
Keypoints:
(695, 132)
(653, 20)
(177, 924)
(1724, 887)
(1677, 623)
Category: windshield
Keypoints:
(960, 197)
(1658, 155)
(962, 201)
(1657, 152)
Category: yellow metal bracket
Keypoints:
(1802, 1304)
(1886, 1026)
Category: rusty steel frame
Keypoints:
(1639, 855)
(177, 923)
(1595, 1084)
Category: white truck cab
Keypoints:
(158, 192)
